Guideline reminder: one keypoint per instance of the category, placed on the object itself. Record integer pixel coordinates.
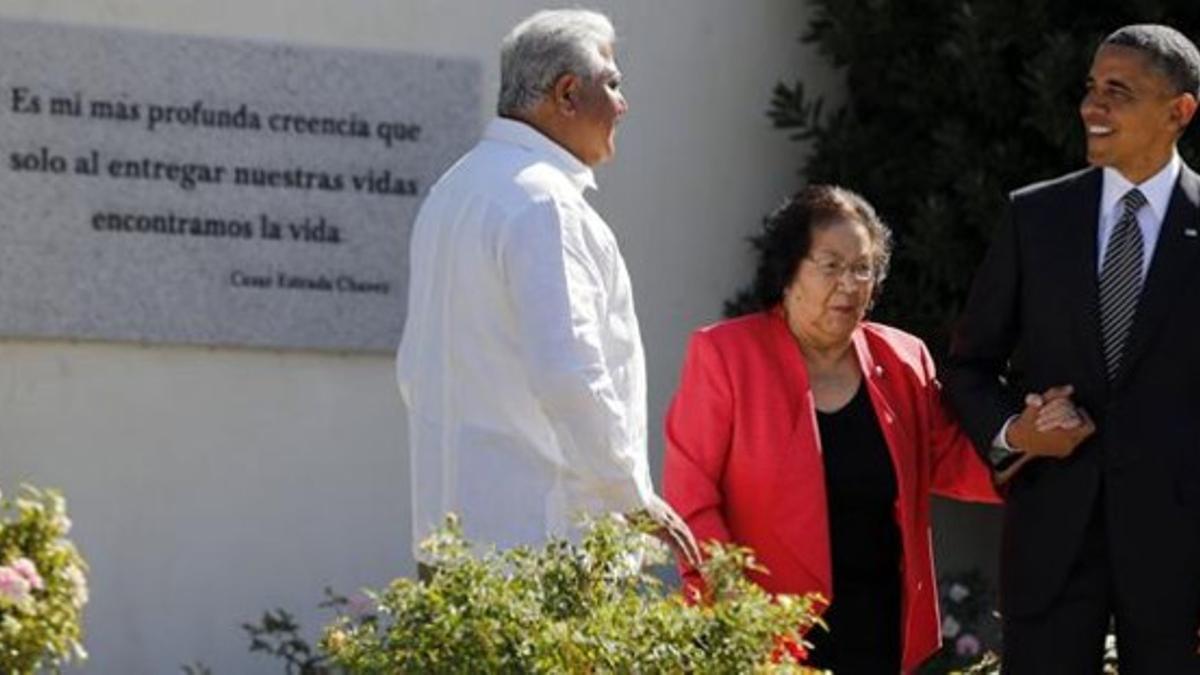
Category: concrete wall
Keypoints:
(209, 484)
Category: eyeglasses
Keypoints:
(833, 269)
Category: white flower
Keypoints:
(959, 592)
(79, 588)
(1110, 646)
(950, 627)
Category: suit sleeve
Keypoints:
(958, 471)
(558, 297)
(984, 338)
(699, 432)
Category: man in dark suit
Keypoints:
(1093, 281)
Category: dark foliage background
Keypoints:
(950, 105)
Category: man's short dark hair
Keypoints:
(1170, 51)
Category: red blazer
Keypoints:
(743, 458)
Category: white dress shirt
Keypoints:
(521, 362)
(1157, 190)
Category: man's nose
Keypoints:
(1091, 103)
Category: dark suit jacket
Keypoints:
(1035, 300)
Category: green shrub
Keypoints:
(42, 584)
(951, 104)
(589, 608)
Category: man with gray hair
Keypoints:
(521, 362)
(1091, 286)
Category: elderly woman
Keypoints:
(815, 438)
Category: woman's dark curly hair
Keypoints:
(787, 236)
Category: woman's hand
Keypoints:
(1051, 425)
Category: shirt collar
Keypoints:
(512, 131)
(1157, 189)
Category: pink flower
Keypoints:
(967, 645)
(361, 605)
(14, 588)
(26, 568)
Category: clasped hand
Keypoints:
(1051, 425)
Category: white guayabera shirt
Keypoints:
(521, 362)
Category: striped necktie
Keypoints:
(1121, 281)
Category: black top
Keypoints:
(860, 483)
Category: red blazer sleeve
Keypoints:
(958, 471)
(699, 430)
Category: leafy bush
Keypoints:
(42, 584)
(278, 634)
(949, 105)
(570, 609)
(990, 663)
(970, 626)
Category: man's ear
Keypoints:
(563, 93)
(1184, 110)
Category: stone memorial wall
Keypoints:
(162, 188)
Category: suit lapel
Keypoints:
(1080, 251)
(1174, 257)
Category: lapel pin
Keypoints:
(1190, 232)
